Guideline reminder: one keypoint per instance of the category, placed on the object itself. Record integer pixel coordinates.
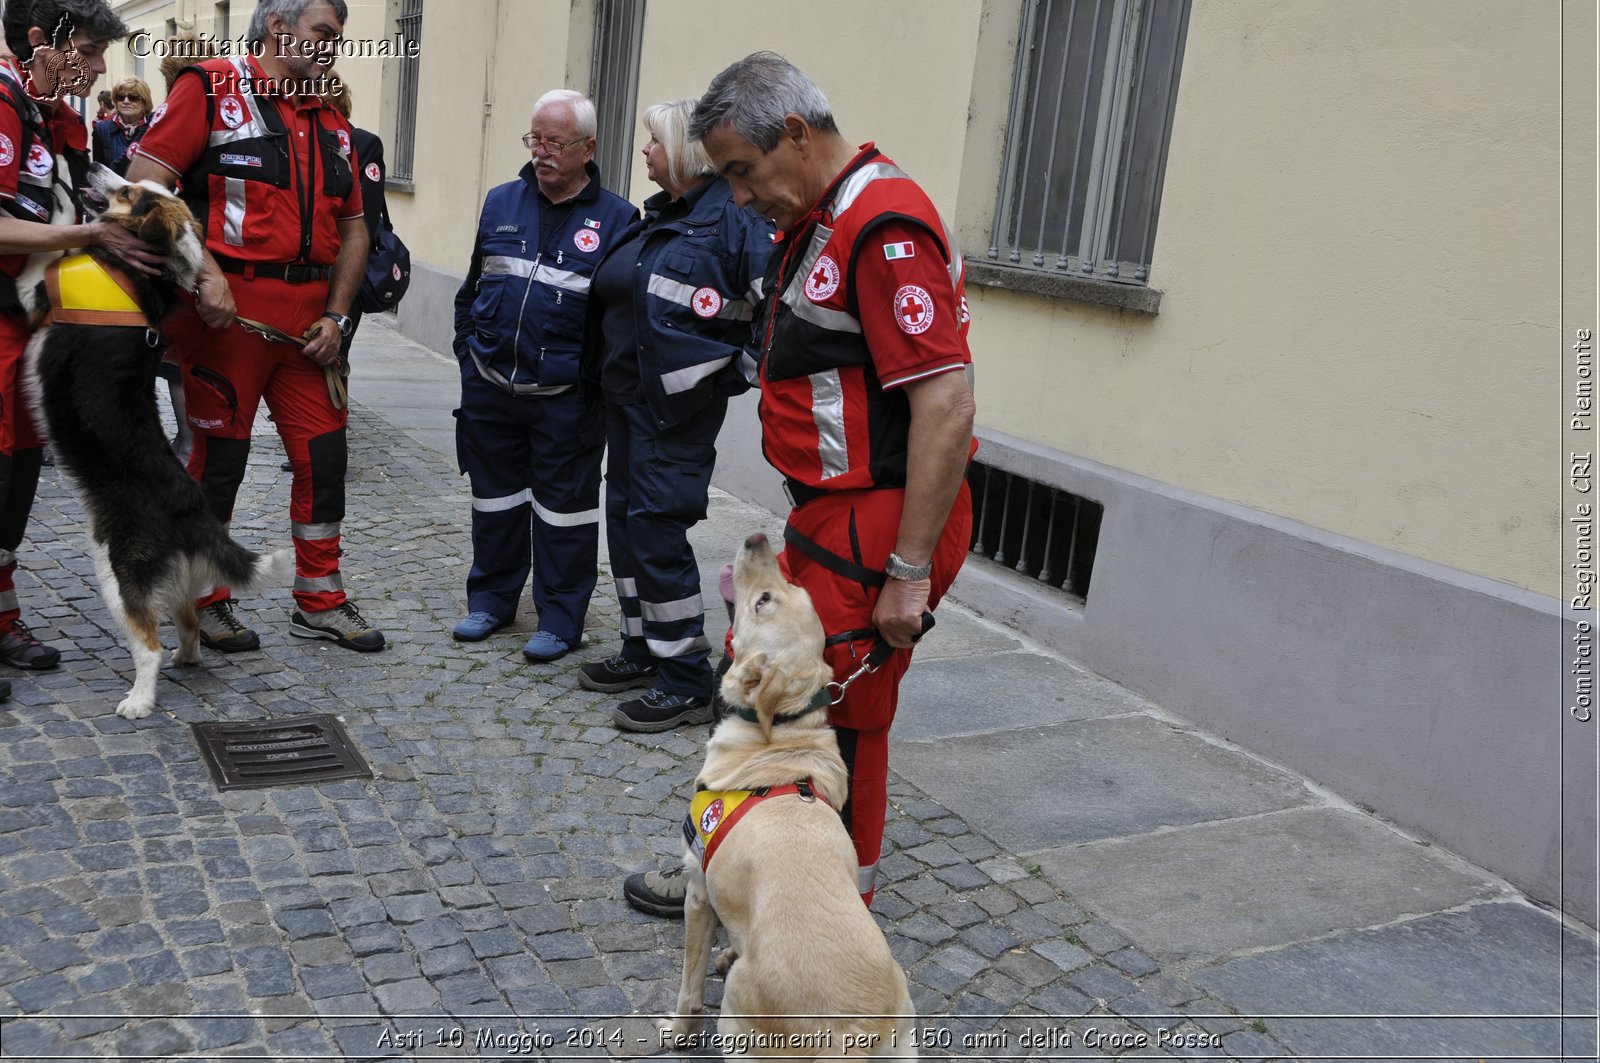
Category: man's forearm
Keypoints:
(348, 266)
(939, 441)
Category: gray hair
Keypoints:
(687, 161)
(755, 95)
(60, 20)
(288, 10)
(582, 108)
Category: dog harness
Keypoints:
(85, 291)
(713, 813)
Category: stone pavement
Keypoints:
(1069, 871)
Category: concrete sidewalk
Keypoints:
(1071, 872)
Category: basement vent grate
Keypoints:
(1043, 532)
(301, 749)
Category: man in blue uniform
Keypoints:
(524, 434)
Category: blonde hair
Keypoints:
(337, 94)
(668, 123)
(135, 86)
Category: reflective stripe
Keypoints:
(7, 557)
(676, 649)
(247, 131)
(666, 612)
(503, 503)
(503, 384)
(827, 411)
(757, 290)
(334, 582)
(736, 310)
(233, 211)
(632, 625)
(315, 532)
(748, 367)
(820, 316)
(670, 290)
(857, 183)
(627, 587)
(565, 520)
(681, 380)
(561, 278)
(866, 878)
(8, 601)
(504, 264)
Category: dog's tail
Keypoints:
(226, 562)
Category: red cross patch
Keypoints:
(913, 309)
(373, 173)
(231, 110)
(705, 302)
(823, 280)
(160, 113)
(586, 240)
(711, 817)
(8, 151)
(40, 161)
(344, 142)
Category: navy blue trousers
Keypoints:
(534, 464)
(657, 485)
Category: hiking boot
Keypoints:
(660, 711)
(657, 892)
(615, 674)
(21, 649)
(220, 630)
(343, 624)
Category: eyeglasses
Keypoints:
(551, 148)
(128, 98)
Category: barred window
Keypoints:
(403, 151)
(613, 86)
(1092, 97)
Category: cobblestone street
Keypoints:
(465, 902)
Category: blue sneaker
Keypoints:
(545, 647)
(476, 626)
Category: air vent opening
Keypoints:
(1042, 532)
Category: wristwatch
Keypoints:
(346, 326)
(897, 568)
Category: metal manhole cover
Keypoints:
(299, 749)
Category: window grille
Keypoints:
(1043, 532)
(1092, 96)
(613, 86)
(408, 24)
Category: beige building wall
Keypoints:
(1358, 250)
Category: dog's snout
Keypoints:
(759, 539)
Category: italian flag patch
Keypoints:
(894, 251)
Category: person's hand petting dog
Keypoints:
(142, 256)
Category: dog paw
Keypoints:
(725, 960)
(178, 659)
(683, 1031)
(135, 708)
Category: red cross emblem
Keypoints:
(344, 142)
(40, 161)
(8, 150)
(586, 240)
(373, 173)
(711, 816)
(232, 112)
(822, 281)
(706, 302)
(913, 309)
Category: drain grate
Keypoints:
(300, 749)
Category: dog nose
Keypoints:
(758, 539)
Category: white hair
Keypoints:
(582, 108)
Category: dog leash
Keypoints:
(873, 661)
(338, 390)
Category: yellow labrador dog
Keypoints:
(809, 974)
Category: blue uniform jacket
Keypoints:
(520, 311)
(697, 283)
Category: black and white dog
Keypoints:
(90, 372)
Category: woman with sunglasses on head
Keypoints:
(115, 135)
(670, 314)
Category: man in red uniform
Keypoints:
(55, 48)
(866, 408)
(270, 172)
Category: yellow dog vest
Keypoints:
(712, 813)
(85, 291)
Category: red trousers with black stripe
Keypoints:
(226, 375)
(20, 444)
(862, 526)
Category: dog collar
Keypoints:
(819, 700)
(713, 813)
(85, 291)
